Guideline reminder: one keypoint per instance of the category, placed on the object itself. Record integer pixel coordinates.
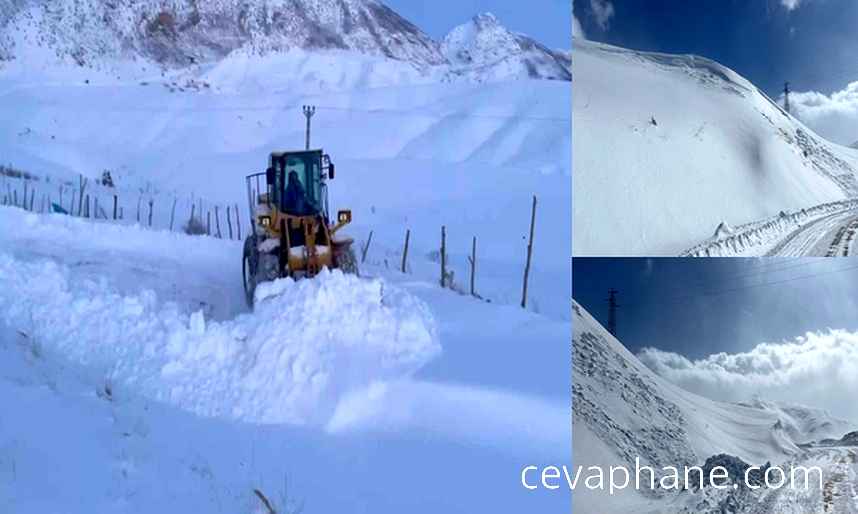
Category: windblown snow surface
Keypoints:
(623, 411)
(668, 147)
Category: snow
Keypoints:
(337, 380)
(158, 390)
(92, 33)
(689, 146)
(622, 411)
(483, 49)
(410, 156)
(788, 233)
(288, 361)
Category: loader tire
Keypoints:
(347, 262)
(249, 262)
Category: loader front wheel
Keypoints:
(248, 271)
(347, 262)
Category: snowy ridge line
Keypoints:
(731, 242)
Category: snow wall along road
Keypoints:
(306, 345)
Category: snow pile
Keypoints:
(290, 361)
(692, 144)
(763, 234)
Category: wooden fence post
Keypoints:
(82, 182)
(217, 222)
(443, 256)
(529, 254)
(208, 223)
(229, 222)
(238, 222)
(25, 194)
(473, 260)
(405, 250)
(151, 201)
(32, 196)
(365, 248)
(139, 199)
(86, 207)
(115, 201)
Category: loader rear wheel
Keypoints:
(248, 271)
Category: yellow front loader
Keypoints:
(292, 233)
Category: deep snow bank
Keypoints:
(289, 361)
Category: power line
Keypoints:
(721, 292)
(280, 108)
(755, 271)
(724, 291)
(760, 271)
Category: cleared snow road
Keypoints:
(831, 236)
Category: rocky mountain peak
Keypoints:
(484, 42)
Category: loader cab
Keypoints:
(310, 168)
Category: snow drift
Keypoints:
(688, 144)
(290, 361)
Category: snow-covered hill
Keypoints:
(667, 147)
(623, 411)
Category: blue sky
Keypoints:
(667, 303)
(547, 21)
(814, 44)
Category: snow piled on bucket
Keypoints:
(307, 344)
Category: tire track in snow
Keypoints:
(823, 237)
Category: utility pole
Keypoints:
(612, 311)
(309, 111)
(786, 96)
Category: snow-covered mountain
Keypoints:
(803, 424)
(186, 31)
(622, 411)
(667, 147)
(484, 47)
(97, 34)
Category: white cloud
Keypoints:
(791, 4)
(603, 10)
(577, 29)
(834, 117)
(818, 370)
